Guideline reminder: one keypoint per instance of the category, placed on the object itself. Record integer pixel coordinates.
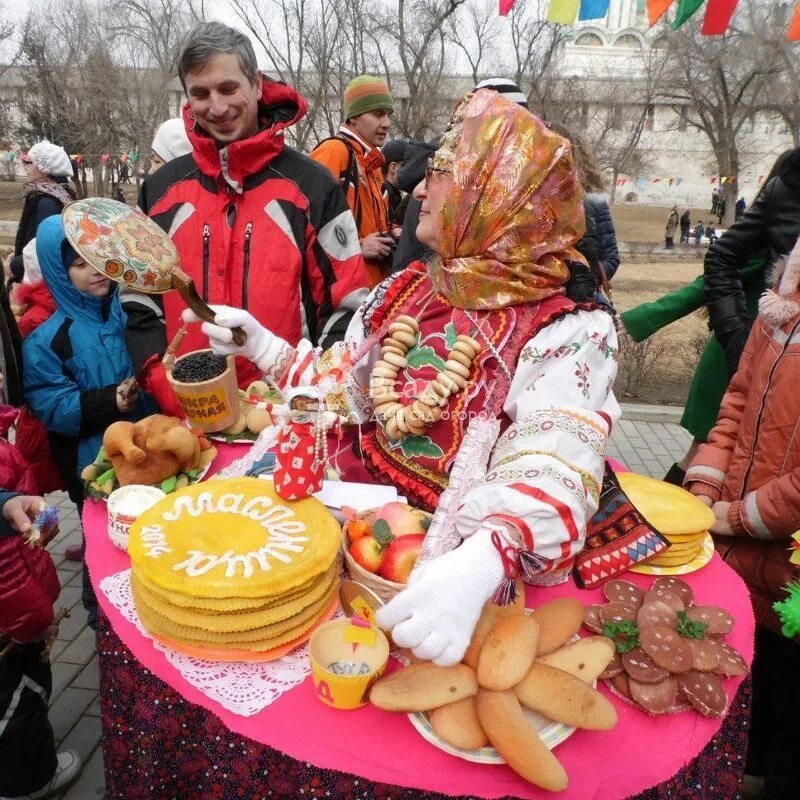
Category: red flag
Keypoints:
(506, 6)
(794, 29)
(656, 9)
(718, 16)
(714, 179)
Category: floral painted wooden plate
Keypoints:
(122, 243)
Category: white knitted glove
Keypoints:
(436, 613)
(262, 347)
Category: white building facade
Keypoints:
(680, 165)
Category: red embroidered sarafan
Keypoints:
(419, 466)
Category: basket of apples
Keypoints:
(381, 546)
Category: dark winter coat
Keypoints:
(772, 224)
(11, 343)
(412, 171)
(596, 206)
(47, 198)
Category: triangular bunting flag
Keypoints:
(723, 180)
(656, 9)
(714, 179)
(506, 6)
(686, 9)
(593, 9)
(718, 16)
(563, 12)
(794, 28)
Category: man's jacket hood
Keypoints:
(281, 106)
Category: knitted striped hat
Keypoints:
(366, 93)
(507, 88)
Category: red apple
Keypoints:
(401, 519)
(367, 553)
(400, 557)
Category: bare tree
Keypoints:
(145, 35)
(535, 45)
(475, 31)
(7, 30)
(286, 30)
(626, 111)
(418, 30)
(724, 82)
(72, 93)
(784, 89)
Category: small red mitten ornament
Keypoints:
(298, 468)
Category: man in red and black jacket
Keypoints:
(257, 225)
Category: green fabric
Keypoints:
(686, 9)
(645, 319)
(711, 374)
(710, 379)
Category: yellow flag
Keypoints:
(563, 12)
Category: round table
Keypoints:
(163, 738)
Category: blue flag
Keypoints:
(593, 9)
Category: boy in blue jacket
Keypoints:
(77, 375)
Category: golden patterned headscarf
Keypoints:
(515, 212)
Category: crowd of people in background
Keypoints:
(300, 243)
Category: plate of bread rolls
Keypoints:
(525, 684)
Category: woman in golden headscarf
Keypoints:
(477, 360)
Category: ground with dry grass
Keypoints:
(673, 352)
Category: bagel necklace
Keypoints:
(399, 420)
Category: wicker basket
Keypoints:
(386, 590)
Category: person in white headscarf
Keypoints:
(170, 141)
(46, 192)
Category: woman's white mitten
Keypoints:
(262, 347)
(436, 613)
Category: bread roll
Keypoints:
(508, 652)
(562, 697)
(585, 658)
(489, 616)
(457, 723)
(559, 620)
(511, 734)
(423, 686)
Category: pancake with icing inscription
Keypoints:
(233, 538)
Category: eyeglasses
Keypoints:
(430, 169)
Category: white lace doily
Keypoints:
(240, 687)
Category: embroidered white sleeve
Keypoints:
(546, 469)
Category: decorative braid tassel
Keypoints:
(506, 592)
(532, 564)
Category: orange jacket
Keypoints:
(367, 202)
(752, 458)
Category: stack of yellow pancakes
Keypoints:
(675, 513)
(228, 565)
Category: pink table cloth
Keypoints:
(638, 753)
